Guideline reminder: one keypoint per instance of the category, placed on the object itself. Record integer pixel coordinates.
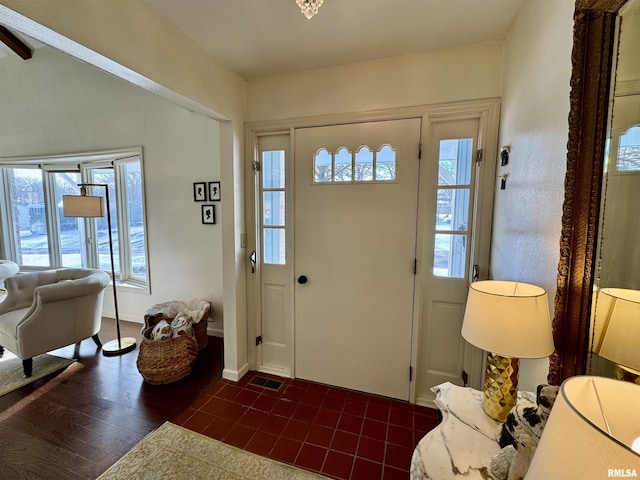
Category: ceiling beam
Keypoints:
(14, 43)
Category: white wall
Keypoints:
(527, 215)
(464, 73)
(134, 42)
(54, 104)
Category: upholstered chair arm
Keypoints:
(66, 289)
(20, 290)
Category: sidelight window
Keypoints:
(273, 207)
(452, 208)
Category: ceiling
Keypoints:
(265, 37)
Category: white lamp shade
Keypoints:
(617, 326)
(82, 206)
(508, 318)
(575, 442)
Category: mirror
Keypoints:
(619, 228)
(591, 58)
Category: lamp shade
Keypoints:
(508, 318)
(617, 326)
(593, 424)
(82, 206)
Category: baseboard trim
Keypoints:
(426, 401)
(235, 375)
(215, 332)
(279, 372)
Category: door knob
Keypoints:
(302, 279)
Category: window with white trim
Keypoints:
(36, 235)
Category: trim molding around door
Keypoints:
(487, 109)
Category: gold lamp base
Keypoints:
(500, 386)
(114, 347)
(627, 374)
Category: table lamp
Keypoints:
(87, 206)
(616, 335)
(510, 320)
(593, 431)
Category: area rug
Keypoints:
(12, 375)
(172, 452)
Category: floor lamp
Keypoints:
(87, 206)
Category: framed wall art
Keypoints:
(209, 214)
(200, 191)
(214, 191)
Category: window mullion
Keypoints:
(91, 244)
(51, 220)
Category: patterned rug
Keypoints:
(11, 373)
(174, 453)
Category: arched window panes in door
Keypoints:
(628, 159)
(366, 165)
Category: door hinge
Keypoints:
(420, 151)
(479, 155)
(410, 373)
(415, 266)
(465, 378)
(255, 166)
(258, 340)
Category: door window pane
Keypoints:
(342, 172)
(364, 164)
(449, 255)
(322, 167)
(29, 217)
(274, 246)
(455, 162)
(70, 229)
(452, 210)
(273, 169)
(273, 208)
(386, 163)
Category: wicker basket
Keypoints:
(161, 362)
(200, 330)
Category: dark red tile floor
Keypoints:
(336, 432)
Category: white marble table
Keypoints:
(464, 442)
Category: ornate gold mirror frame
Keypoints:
(593, 47)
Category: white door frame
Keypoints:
(486, 110)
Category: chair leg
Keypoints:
(96, 339)
(27, 367)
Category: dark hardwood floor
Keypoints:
(76, 423)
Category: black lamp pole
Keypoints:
(120, 345)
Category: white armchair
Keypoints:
(7, 269)
(50, 309)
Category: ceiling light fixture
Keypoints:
(309, 7)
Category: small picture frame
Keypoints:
(214, 191)
(209, 214)
(200, 191)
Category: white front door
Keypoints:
(356, 195)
